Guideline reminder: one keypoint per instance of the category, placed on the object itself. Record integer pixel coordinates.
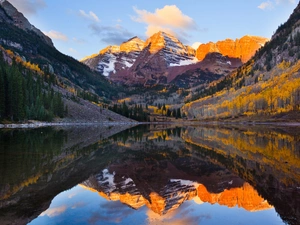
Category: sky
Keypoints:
(80, 28)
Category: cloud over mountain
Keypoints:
(56, 35)
(269, 5)
(169, 19)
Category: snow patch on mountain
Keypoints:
(173, 44)
(186, 182)
(108, 178)
(108, 66)
(185, 62)
(115, 58)
(128, 65)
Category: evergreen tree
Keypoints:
(164, 107)
(125, 110)
(174, 113)
(178, 113)
(169, 112)
(25, 96)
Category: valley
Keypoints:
(157, 79)
(113, 113)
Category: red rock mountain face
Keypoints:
(162, 58)
(161, 52)
(212, 67)
(243, 48)
(171, 193)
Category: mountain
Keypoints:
(174, 192)
(173, 51)
(9, 14)
(113, 59)
(161, 51)
(267, 87)
(29, 93)
(138, 62)
(40, 83)
(19, 36)
(213, 67)
(162, 58)
(243, 48)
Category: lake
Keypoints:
(150, 174)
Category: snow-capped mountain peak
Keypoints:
(159, 52)
(114, 58)
(173, 51)
(133, 44)
(110, 49)
(162, 40)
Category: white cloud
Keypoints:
(52, 212)
(285, 1)
(196, 45)
(169, 18)
(91, 15)
(28, 7)
(56, 35)
(266, 5)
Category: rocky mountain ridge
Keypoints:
(162, 57)
(243, 48)
(11, 15)
(117, 60)
(75, 82)
(26, 41)
(113, 59)
(266, 88)
(119, 187)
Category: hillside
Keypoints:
(266, 87)
(18, 35)
(37, 82)
(28, 93)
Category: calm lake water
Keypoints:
(150, 175)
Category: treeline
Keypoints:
(280, 94)
(235, 80)
(88, 96)
(136, 112)
(25, 95)
(39, 52)
(176, 113)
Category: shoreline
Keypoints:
(57, 124)
(38, 124)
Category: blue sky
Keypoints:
(80, 28)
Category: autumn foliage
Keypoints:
(271, 93)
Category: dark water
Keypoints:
(150, 175)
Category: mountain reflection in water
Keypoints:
(159, 174)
